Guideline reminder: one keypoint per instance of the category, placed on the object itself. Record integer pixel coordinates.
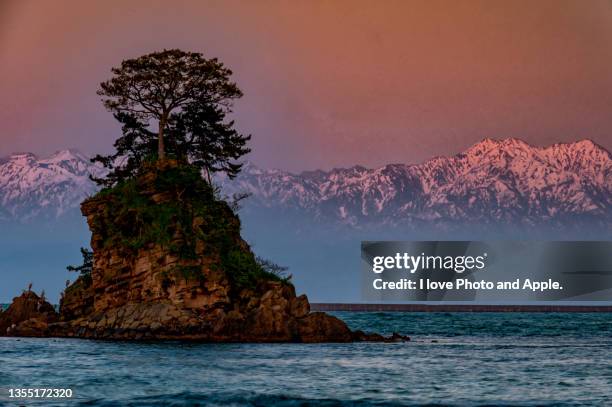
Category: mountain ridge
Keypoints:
(519, 183)
(48, 187)
(505, 181)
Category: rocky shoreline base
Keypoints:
(30, 315)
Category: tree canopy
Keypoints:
(188, 97)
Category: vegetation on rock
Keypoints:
(172, 206)
(85, 268)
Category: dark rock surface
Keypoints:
(28, 315)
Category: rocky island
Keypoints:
(169, 263)
(167, 259)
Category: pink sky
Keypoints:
(326, 84)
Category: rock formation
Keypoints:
(169, 263)
(28, 315)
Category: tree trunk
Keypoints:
(161, 151)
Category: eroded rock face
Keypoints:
(28, 315)
(169, 263)
(277, 315)
(77, 300)
(198, 281)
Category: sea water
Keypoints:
(550, 359)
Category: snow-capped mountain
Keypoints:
(493, 182)
(32, 187)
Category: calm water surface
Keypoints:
(454, 359)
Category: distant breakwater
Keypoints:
(356, 307)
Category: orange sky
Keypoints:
(326, 83)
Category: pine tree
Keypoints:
(86, 268)
(189, 97)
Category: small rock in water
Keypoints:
(396, 337)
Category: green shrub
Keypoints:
(132, 220)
